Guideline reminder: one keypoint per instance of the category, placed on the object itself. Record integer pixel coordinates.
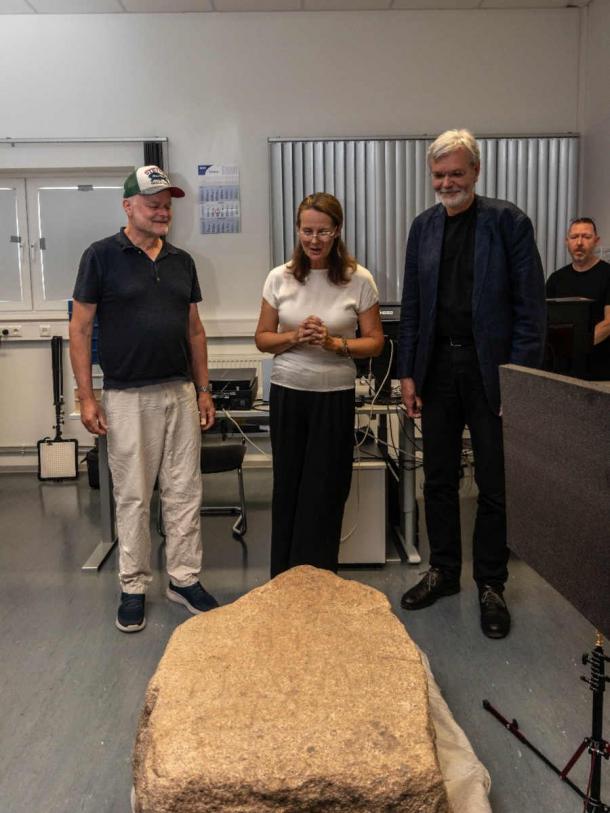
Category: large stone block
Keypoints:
(305, 695)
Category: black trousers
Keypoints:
(312, 438)
(453, 396)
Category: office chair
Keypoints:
(218, 456)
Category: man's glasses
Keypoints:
(321, 234)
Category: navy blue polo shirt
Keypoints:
(142, 309)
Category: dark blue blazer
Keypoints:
(508, 297)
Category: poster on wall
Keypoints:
(219, 209)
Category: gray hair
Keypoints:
(452, 140)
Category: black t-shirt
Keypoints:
(456, 276)
(142, 310)
(593, 284)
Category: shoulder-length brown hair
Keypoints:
(340, 263)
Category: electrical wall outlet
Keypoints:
(45, 330)
(11, 331)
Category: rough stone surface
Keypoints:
(306, 695)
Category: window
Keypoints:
(14, 279)
(46, 223)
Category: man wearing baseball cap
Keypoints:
(152, 350)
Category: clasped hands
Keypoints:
(312, 330)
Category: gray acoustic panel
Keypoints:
(557, 452)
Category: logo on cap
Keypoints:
(156, 176)
(148, 181)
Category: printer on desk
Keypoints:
(233, 387)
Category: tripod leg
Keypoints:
(575, 757)
(516, 732)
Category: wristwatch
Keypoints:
(204, 388)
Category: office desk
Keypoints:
(405, 532)
(403, 465)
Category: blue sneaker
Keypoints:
(130, 616)
(194, 597)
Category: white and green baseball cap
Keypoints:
(148, 181)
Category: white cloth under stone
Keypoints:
(466, 778)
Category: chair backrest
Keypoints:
(217, 456)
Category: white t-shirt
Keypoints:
(308, 367)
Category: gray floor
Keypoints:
(72, 685)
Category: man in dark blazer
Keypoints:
(473, 298)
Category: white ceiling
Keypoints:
(173, 6)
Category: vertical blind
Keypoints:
(384, 183)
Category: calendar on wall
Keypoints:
(219, 205)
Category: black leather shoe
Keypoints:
(434, 585)
(495, 618)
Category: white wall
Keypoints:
(218, 85)
(596, 122)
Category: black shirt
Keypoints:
(456, 276)
(142, 310)
(593, 284)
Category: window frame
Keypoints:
(33, 307)
(12, 309)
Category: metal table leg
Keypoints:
(109, 538)
(406, 533)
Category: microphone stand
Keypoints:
(596, 745)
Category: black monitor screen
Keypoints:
(569, 337)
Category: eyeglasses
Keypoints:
(321, 234)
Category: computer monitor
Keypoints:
(569, 337)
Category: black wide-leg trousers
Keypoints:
(453, 396)
(312, 438)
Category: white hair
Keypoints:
(452, 140)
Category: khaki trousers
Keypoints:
(154, 432)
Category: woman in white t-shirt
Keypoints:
(311, 308)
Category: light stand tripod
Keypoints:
(595, 744)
